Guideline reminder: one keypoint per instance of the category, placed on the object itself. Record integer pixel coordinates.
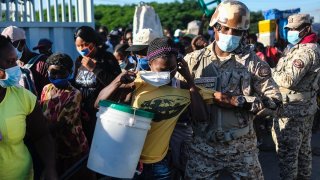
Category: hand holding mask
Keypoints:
(88, 63)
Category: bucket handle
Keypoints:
(132, 120)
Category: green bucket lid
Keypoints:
(126, 108)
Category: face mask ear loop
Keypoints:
(90, 50)
(18, 45)
(302, 31)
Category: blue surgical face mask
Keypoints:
(19, 54)
(85, 51)
(13, 76)
(59, 83)
(293, 37)
(228, 43)
(143, 64)
(123, 64)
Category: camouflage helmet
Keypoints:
(233, 14)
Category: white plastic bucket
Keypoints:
(118, 139)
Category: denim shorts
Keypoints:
(155, 171)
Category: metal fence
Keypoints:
(46, 10)
(52, 19)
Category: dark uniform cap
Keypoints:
(42, 43)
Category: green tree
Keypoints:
(172, 15)
(255, 17)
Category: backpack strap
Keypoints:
(32, 61)
(27, 80)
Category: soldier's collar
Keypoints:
(209, 51)
(294, 47)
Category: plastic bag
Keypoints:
(146, 17)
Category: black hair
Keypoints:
(4, 42)
(62, 60)
(252, 36)
(127, 31)
(169, 30)
(121, 48)
(104, 29)
(88, 34)
(260, 47)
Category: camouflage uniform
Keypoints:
(229, 143)
(297, 76)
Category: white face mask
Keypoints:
(156, 78)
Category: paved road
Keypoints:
(269, 161)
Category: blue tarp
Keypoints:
(283, 32)
(277, 14)
(282, 16)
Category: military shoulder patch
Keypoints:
(264, 71)
(298, 63)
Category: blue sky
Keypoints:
(307, 6)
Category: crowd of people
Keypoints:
(209, 92)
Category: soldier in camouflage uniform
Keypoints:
(244, 87)
(297, 75)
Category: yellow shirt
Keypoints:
(15, 160)
(167, 103)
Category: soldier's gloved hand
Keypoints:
(225, 100)
(271, 103)
(250, 103)
(268, 103)
(265, 113)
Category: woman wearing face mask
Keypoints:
(95, 69)
(159, 92)
(20, 115)
(60, 103)
(34, 62)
